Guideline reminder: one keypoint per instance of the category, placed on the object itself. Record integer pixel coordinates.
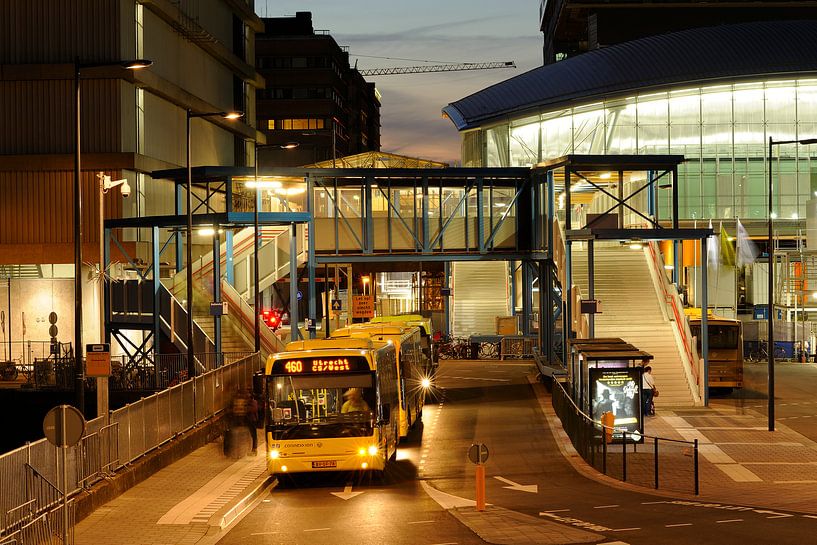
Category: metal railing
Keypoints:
(681, 324)
(644, 460)
(108, 444)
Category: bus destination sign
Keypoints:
(326, 365)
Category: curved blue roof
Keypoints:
(706, 54)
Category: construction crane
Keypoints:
(436, 68)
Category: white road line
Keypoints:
(624, 529)
(677, 525)
(652, 502)
(317, 529)
(810, 516)
(606, 506)
(446, 543)
(556, 511)
(729, 520)
(488, 379)
(264, 534)
(422, 522)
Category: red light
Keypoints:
(271, 317)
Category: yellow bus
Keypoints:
(426, 331)
(413, 365)
(725, 348)
(332, 406)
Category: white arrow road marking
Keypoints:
(445, 500)
(774, 514)
(347, 493)
(532, 488)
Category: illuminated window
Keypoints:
(271, 124)
(300, 124)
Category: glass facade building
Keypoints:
(715, 95)
(722, 130)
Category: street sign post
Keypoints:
(64, 426)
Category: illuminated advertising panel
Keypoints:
(618, 391)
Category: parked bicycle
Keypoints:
(453, 348)
(761, 354)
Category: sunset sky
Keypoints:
(442, 31)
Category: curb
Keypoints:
(233, 510)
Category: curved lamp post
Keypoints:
(770, 344)
(137, 64)
(232, 116)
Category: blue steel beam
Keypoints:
(416, 258)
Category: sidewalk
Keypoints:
(740, 461)
(181, 504)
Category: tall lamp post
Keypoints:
(256, 237)
(191, 364)
(770, 343)
(79, 371)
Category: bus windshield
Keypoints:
(319, 400)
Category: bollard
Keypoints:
(480, 482)
(608, 421)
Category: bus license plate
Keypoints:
(324, 464)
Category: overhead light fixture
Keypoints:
(669, 267)
(263, 184)
(605, 175)
(774, 215)
(636, 244)
(290, 145)
(232, 115)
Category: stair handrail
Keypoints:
(246, 315)
(673, 300)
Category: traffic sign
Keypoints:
(362, 306)
(478, 453)
(64, 426)
(336, 304)
(299, 295)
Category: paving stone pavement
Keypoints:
(134, 517)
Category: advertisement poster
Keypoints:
(618, 391)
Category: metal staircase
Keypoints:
(632, 310)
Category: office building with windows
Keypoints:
(132, 123)
(312, 97)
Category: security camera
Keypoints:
(125, 189)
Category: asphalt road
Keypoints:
(492, 403)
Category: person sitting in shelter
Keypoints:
(354, 401)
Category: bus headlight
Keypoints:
(425, 383)
(361, 451)
(373, 450)
(274, 454)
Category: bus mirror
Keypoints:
(277, 415)
(385, 414)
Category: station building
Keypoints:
(714, 95)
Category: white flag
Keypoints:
(747, 250)
(713, 250)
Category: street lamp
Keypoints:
(256, 244)
(770, 343)
(232, 116)
(79, 371)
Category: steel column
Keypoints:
(217, 289)
(480, 218)
(293, 282)
(591, 283)
(704, 326)
(310, 255)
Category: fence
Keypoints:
(668, 464)
(108, 444)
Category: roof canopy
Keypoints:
(721, 53)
